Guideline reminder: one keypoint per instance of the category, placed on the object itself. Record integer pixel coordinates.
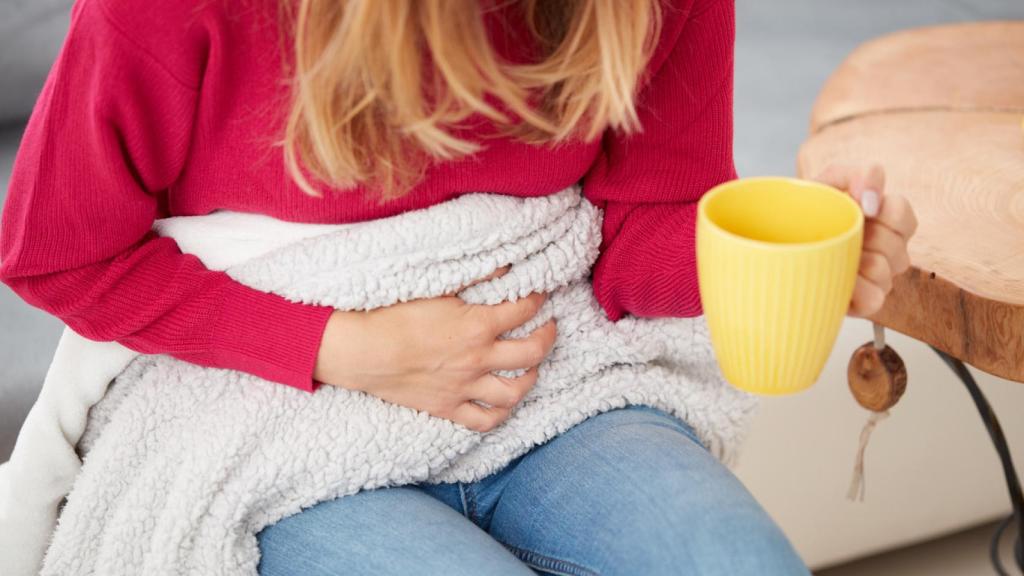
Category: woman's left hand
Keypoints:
(888, 226)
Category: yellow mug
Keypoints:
(777, 260)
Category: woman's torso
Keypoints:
(234, 161)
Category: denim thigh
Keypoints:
(387, 531)
(628, 491)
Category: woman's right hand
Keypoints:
(436, 355)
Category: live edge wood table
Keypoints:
(941, 108)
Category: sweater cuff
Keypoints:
(269, 336)
(649, 267)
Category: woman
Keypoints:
(177, 108)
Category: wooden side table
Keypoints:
(942, 109)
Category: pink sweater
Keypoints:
(157, 109)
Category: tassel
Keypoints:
(857, 481)
(877, 378)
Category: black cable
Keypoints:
(993, 550)
(1020, 552)
(995, 432)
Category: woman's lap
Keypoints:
(628, 491)
(386, 531)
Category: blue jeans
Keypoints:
(629, 491)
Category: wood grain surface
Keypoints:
(938, 108)
(973, 66)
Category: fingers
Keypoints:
(891, 222)
(498, 272)
(480, 418)
(874, 268)
(523, 352)
(508, 315)
(885, 241)
(501, 391)
(897, 215)
(868, 298)
(865, 186)
(874, 282)
(891, 210)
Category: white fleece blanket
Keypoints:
(172, 468)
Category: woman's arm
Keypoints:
(107, 139)
(649, 183)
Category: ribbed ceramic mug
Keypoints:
(777, 260)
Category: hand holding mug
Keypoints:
(781, 261)
(889, 225)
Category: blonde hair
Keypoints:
(379, 85)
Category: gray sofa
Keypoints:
(30, 36)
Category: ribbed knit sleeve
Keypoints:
(107, 138)
(649, 183)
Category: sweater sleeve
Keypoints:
(649, 183)
(107, 138)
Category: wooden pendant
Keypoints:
(877, 377)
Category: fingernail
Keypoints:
(869, 203)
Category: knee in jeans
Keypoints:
(737, 546)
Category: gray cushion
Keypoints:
(31, 33)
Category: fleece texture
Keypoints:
(181, 465)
